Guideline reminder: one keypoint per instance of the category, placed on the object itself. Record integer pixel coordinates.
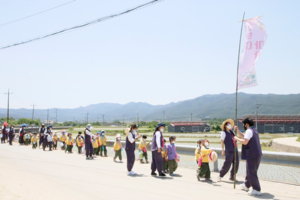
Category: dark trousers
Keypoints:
(229, 160)
(46, 143)
(172, 166)
(103, 149)
(79, 150)
(55, 144)
(204, 170)
(10, 139)
(145, 154)
(165, 164)
(41, 141)
(251, 180)
(27, 141)
(96, 151)
(130, 159)
(69, 148)
(118, 154)
(3, 138)
(89, 149)
(34, 145)
(157, 162)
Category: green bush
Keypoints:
(298, 139)
(71, 128)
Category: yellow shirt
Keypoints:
(95, 143)
(197, 154)
(79, 141)
(117, 146)
(62, 138)
(69, 141)
(141, 146)
(54, 138)
(164, 152)
(103, 141)
(34, 139)
(205, 153)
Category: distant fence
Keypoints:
(35, 129)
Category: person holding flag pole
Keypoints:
(255, 38)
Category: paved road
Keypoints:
(34, 174)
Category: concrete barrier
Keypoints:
(276, 158)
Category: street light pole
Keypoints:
(33, 112)
(7, 118)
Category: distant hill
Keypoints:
(214, 106)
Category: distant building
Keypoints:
(182, 127)
(48, 122)
(274, 123)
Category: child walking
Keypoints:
(103, 140)
(95, 143)
(172, 156)
(118, 148)
(34, 140)
(203, 169)
(198, 151)
(62, 139)
(164, 154)
(79, 142)
(143, 149)
(55, 140)
(69, 142)
(26, 139)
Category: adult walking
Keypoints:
(228, 145)
(4, 132)
(156, 148)
(21, 135)
(89, 149)
(47, 139)
(251, 152)
(11, 134)
(41, 134)
(131, 138)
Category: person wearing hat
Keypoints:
(34, 140)
(228, 147)
(103, 140)
(69, 143)
(11, 134)
(131, 138)
(79, 142)
(4, 132)
(47, 139)
(88, 142)
(41, 134)
(118, 148)
(21, 135)
(156, 148)
(251, 152)
(143, 149)
(55, 138)
(63, 139)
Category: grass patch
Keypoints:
(298, 139)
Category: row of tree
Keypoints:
(13, 121)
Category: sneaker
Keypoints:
(172, 174)
(131, 173)
(121, 161)
(92, 158)
(141, 161)
(208, 179)
(154, 174)
(232, 179)
(115, 160)
(219, 179)
(254, 193)
(198, 177)
(162, 174)
(243, 187)
(87, 158)
(147, 161)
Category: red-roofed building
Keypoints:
(188, 127)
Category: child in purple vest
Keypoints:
(172, 156)
(251, 152)
(228, 148)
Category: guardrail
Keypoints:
(276, 158)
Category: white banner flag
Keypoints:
(255, 38)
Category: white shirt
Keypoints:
(88, 132)
(223, 135)
(158, 139)
(248, 134)
(130, 138)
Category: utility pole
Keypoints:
(163, 116)
(48, 116)
(103, 120)
(33, 112)
(256, 112)
(191, 117)
(7, 119)
(56, 115)
(87, 117)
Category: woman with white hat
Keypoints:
(228, 148)
(156, 148)
(131, 138)
(89, 149)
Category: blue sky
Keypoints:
(169, 52)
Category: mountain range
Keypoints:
(206, 106)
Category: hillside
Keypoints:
(214, 106)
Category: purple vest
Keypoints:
(130, 146)
(87, 138)
(4, 130)
(252, 149)
(154, 144)
(229, 146)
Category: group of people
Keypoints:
(164, 156)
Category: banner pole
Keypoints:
(236, 98)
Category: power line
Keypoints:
(85, 24)
(36, 13)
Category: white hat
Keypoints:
(118, 135)
(213, 156)
(127, 131)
